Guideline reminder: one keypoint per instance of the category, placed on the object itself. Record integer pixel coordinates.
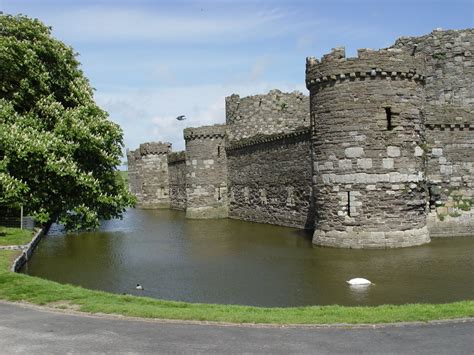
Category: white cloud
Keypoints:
(100, 23)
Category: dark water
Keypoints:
(235, 262)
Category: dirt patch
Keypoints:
(64, 305)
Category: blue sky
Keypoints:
(151, 61)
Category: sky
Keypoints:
(150, 61)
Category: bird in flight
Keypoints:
(181, 118)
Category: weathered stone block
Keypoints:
(364, 163)
(418, 151)
(393, 151)
(354, 152)
(387, 163)
(345, 164)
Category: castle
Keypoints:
(380, 154)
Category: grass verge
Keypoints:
(14, 236)
(20, 287)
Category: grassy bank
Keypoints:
(14, 236)
(19, 287)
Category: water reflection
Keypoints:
(228, 261)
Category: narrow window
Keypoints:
(388, 114)
(218, 150)
(219, 194)
(349, 203)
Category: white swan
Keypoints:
(359, 281)
(139, 287)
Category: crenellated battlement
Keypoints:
(154, 148)
(389, 63)
(204, 132)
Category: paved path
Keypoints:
(34, 330)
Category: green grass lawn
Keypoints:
(15, 236)
(20, 287)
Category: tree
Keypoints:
(58, 149)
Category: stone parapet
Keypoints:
(389, 64)
(154, 148)
(264, 138)
(205, 132)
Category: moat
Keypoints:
(235, 262)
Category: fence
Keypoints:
(13, 217)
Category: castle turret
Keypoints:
(206, 172)
(368, 145)
(149, 180)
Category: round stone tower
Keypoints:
(206, 172)
(368, 149)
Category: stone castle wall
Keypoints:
(269, 158)
(270, 181)
(449, 117)
(367, 135)
(380, 155)
(274, 113)
(149, 178)
(206, 172)
(177, 180)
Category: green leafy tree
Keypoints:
(58, 149)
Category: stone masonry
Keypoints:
(274, 113)
(367, 134)
(148, 170)
(380, 154)
(449, 119)
(206, 172)
(269, 158)
(177, 180)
